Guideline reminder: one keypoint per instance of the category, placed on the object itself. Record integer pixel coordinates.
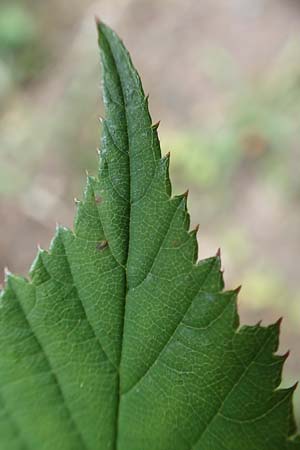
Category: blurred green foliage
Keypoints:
(260, 124)
(17, 29)
(21, 51)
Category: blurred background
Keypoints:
(224, 78)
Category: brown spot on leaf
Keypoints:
(102, 246)
(98, 199)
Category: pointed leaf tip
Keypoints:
(218, 254)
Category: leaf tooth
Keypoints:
(238, 289)
(196, 229)
(285, 394)
(162, 172)
(289, 392)
(186, 193)
(280, 360)
(37, 272)
(7, 274)
(3, 294)
(193, 236)
(91, 179)
(7, 277)
(89, 188)
(182, 198)
(103, 166)
(13, 280)
(218, 253)
(59, 235)
(155, 126)
(222, 282)
(275, 329)
(165, 161)
(60, 230)
(279, 322)
(39, 254)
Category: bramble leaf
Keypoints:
(120, 339)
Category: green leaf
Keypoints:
(120, 339)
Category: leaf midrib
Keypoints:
(126, 289)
